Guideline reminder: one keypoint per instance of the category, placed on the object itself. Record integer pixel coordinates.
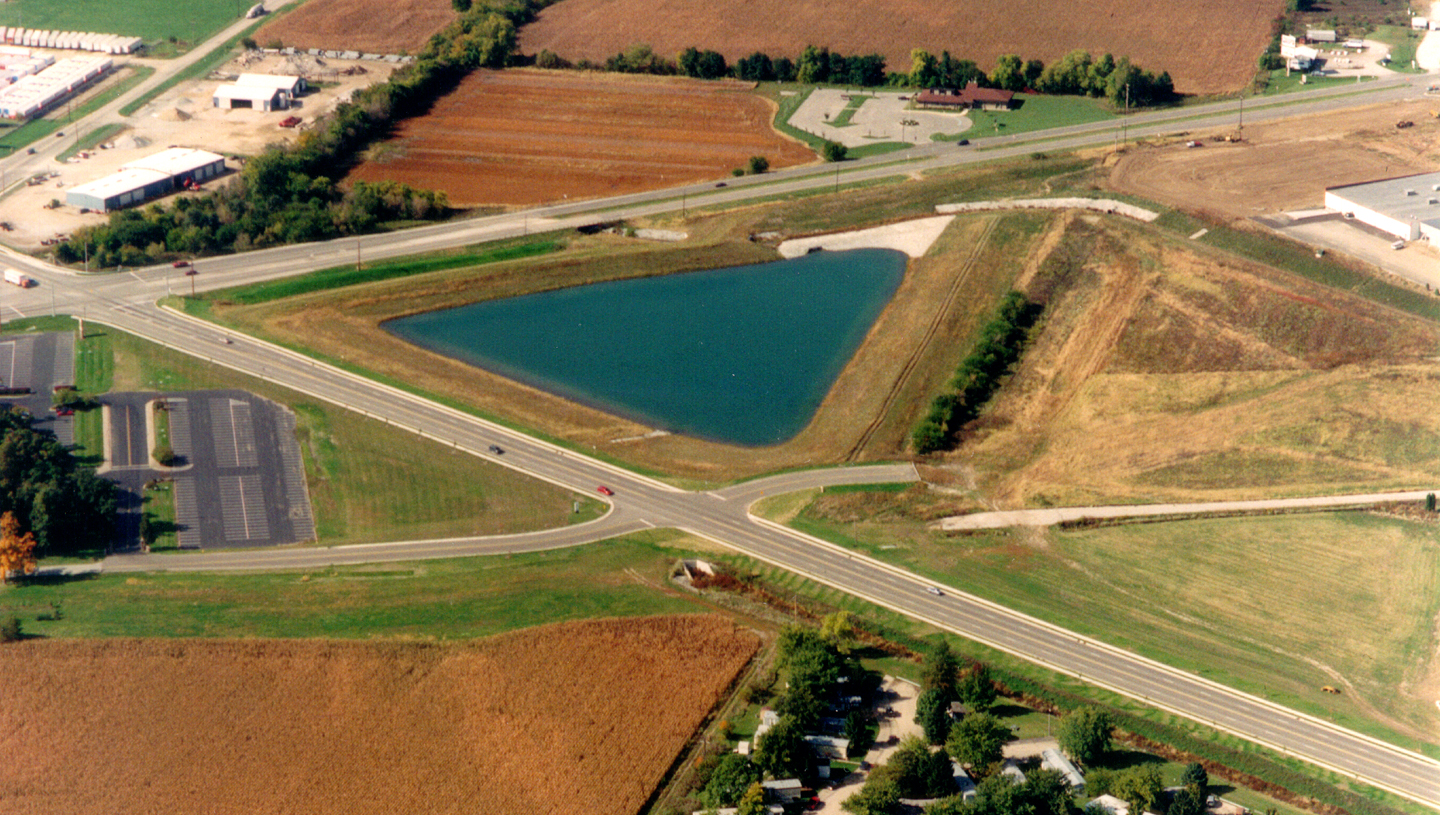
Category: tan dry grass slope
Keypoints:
(1171, 372)
(577, 717)
(1207, 47)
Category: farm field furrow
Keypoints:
(528, 137)
(374, 26)
(347, 727)
(1206, 47)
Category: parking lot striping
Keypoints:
(242, 508)
(179, 409)
(234, 433)
(187, 514)
(64, 373)
(302, 521)
(9, 349)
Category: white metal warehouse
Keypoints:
(146, 178)
(249, 96)
(1407, 207)
(291, 86)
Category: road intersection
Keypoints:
(127, 301)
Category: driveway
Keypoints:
(878, 119)
(899, 724)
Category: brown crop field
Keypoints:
(1207, 47)
(578, 717)
(529, 136)
(372, 26)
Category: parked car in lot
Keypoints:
(604, 490)
(61, 410)
(495, 448)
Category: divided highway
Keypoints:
(127, 301)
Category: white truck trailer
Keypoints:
(18, 278)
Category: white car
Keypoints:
(935, 591)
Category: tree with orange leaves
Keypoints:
(17, 551)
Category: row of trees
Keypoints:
(999, 347)
(1077, 73)
(64, 509)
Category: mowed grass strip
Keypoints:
(152, 20)
(1279, 605)
(341, 276)
(459, 598)
(370, 481)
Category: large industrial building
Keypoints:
(146, 178)
(1407, 207)
(32, 95)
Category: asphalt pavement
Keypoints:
(126, 301)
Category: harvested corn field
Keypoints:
(370, 26)
(1207, 47)
(124, 726)
(530, 137)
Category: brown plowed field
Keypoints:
(528, 137)
(370, 26)
(1207, 47)
(578, 717)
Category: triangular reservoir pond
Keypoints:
(742, 355)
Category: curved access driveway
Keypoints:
(126, 302)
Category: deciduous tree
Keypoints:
(1139, 786)
(977, 689)
(1084, 734)
(732, 777)
(17, 548)
(978, 741)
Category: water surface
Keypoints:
(742, 355)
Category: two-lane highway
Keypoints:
(126, 301)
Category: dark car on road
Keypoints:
(495, 448)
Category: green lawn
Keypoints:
(369, 481)
(1278, 606)
(159, 507)
(341, 276)
(1279, 83)
(1403, 41)
(1037, 113)
(434, 599)
(153, 20)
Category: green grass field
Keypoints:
(433, 599)
(341, 276)
(153, 20)
(1403, 41)
(1279, 83)
(369, 481)
(1037, 113)
(1278, 606)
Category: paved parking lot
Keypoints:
(239, 481)
(39, 362)
(1417, 262)
(878, 119)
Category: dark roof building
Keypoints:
(971, 96)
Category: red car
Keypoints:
(61, 410)
(180, 264)
(604, 490)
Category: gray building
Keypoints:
(1407, 207)
(147, 178)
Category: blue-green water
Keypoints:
(742, 355)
